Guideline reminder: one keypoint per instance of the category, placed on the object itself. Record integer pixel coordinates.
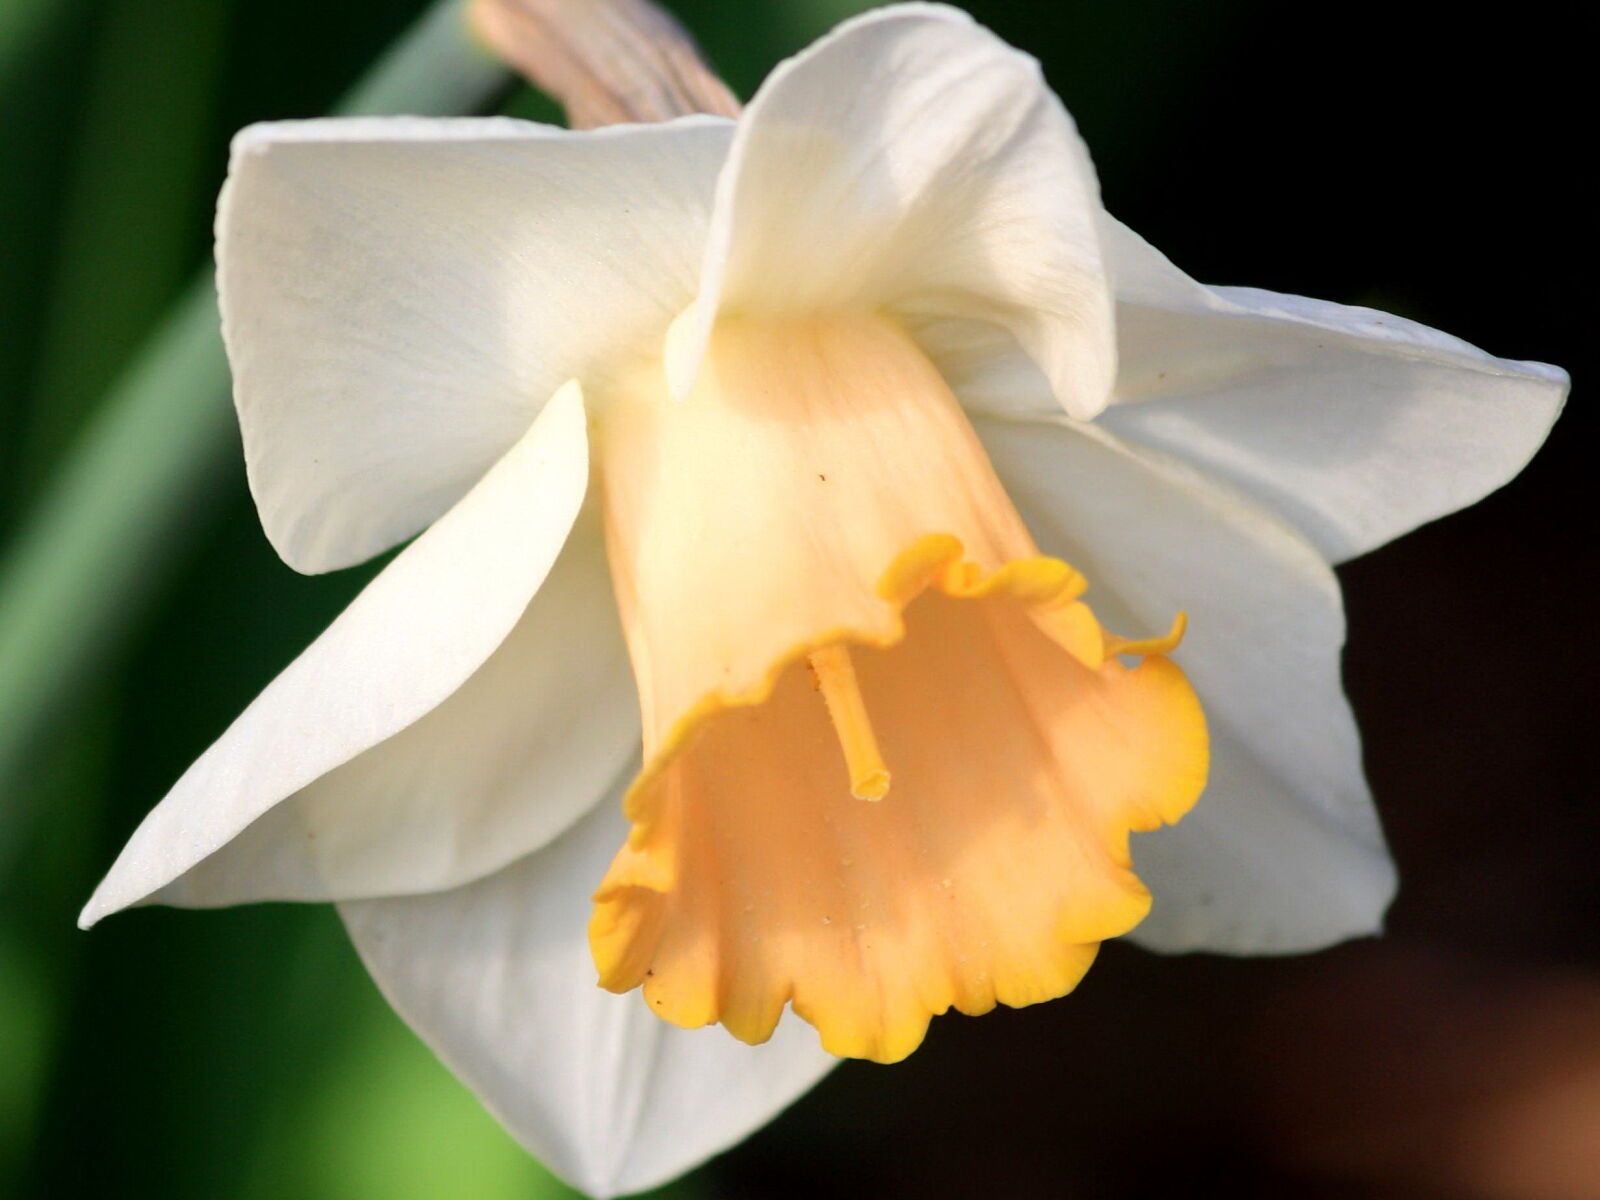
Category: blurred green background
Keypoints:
(1367, 154)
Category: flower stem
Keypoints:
(132, 492)
(606, 61)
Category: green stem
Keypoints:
(133, 490)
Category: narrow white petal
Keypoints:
(497, 978)
(1356, 425)
(399, 295)
(1283, 851)
(913, 161)
(501, 767)
(413, 636)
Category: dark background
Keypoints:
(1402, 156)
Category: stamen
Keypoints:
(836, 679)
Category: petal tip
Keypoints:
(685, 349)
(100, 903)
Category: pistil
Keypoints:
(836, 680)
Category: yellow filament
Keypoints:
(836, 679)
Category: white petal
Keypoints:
(413, 636)
(913, 161)
(497, 978)
(984, 366)
(502, 766)
(399, 295)
(1283, 851)
(1356, 425)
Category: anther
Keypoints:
(836, 679)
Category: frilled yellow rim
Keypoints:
(1106, 901)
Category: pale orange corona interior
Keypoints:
(891, 759)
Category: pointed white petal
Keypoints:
(399, 295)
(913, 161)
(413, 636)
(1356, 425)
(1283, 851)
(497, 978)
(503, 765)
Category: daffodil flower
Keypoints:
(803, 417)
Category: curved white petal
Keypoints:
(413, 636)
(399, 295)
(1283, 851)
(502, 766)
(912, 161)
(497, 978)
(983, 365)
(1356, 425)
